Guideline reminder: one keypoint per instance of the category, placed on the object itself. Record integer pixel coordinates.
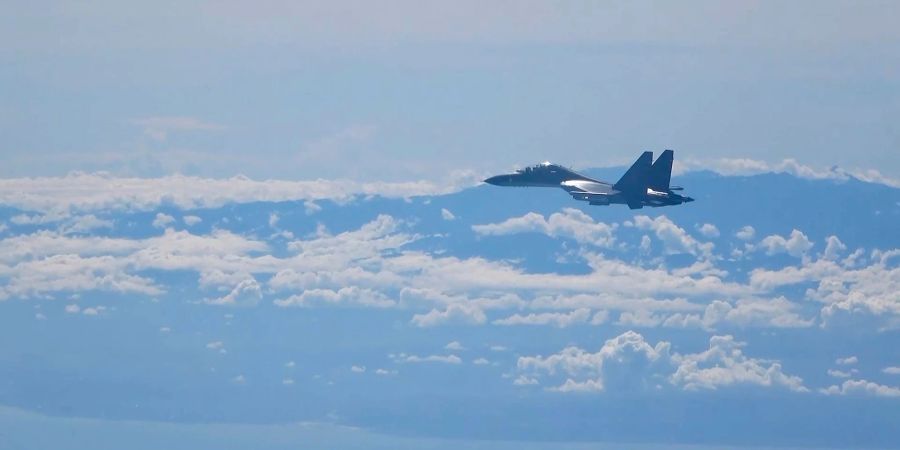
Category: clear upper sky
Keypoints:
(401, 89)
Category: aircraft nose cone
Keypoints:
(498, 180)
(688, 199)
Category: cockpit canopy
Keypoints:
(538, 167)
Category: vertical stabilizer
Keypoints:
(635, 179)
(661, 171)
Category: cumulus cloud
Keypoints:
(585, 371)
(191, 220)
(454, 346)
(708, 230)
(746, 233)
(848, 361)
(674, 238)
(892, 370)
(445, 359)
(163, 220)
(559, 320)
(724, 364)
(456, 313)
(862, 388)
(351, 295)
(796, 245)
(869, 293)
(776, 313)
(570, 223)
(358, 369)
(628, 361)
(523, 380)
(833, 248)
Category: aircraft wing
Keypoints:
(595, 192)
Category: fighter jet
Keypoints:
(644, 184)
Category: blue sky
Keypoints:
(401, 90)
(264, 224)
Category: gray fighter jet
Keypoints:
(644, 184)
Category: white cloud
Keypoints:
(93, 311)
(862, 387)
(215, 345)
(454, 346)
(751, 312)
(246, 293)
(833, 248)
(559, 320)
(456, 313)
(600, 317)
(641, 318)
(570, 223)
(848, 361)
(85, 224)
(240, 379)
(797, 245)
(586, 371)
(848, 293)
(629, 362)
(73, 309)
(163, 220)
(746, 233)
(523, 380)
(724, 364)
(446, 359)
(191, 220)
(744, 166)
(385, 372)
(273, 219)
(288, 381)
(447, 215)
(708, 230)
(102, 192)
(480, 362)
(674, 238)
(892, 370)
(351, 295)
(310, 207)
(358, 369)
(839, 373)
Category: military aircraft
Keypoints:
(644, 184)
